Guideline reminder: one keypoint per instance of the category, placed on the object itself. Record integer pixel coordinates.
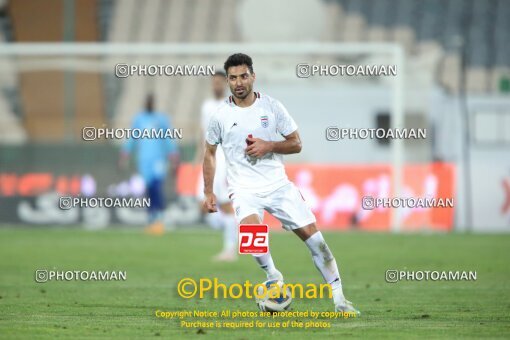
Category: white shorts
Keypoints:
(285, 203)
(220, 186)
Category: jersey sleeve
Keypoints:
(213, 133)
(285, 124)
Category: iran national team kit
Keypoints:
(258, 184)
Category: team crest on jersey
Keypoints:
(264, 121)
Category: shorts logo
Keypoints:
(264, 121)
(237, 211)
(253, 239)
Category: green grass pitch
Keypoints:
(154, 265)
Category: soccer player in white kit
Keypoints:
(224, 218)
(255, 172)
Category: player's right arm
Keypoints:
(209, 167)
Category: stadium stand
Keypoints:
(11, 129)
(436, 34)
(208, 21)
(44, 115)
(457, 26)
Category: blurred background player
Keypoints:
(153, 156)
(224, 218)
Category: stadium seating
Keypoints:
(44, 112)
(435, 34)
(207, 21)
(11, 129)
(417, 23)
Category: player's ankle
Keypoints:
(274, 275)
(338, 296)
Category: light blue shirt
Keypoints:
(152, 153)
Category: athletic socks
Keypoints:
(215, 220)
(326, 264)
(265, 262)
(155, 216)
(229, 232)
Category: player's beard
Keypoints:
(244, 94)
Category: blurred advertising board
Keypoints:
(335, 193)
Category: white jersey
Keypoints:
(208, 108)
(230, 125)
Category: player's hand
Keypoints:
(258, 147)
(210, 203)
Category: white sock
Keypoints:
(229, 232)
(215, 220)
(265, 262)
(326, 264)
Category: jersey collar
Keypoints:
(233, 103)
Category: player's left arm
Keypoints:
(259, 147)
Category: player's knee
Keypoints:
(251, 219)
(306, 232)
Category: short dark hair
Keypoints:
(237, 60)
(220, 73)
